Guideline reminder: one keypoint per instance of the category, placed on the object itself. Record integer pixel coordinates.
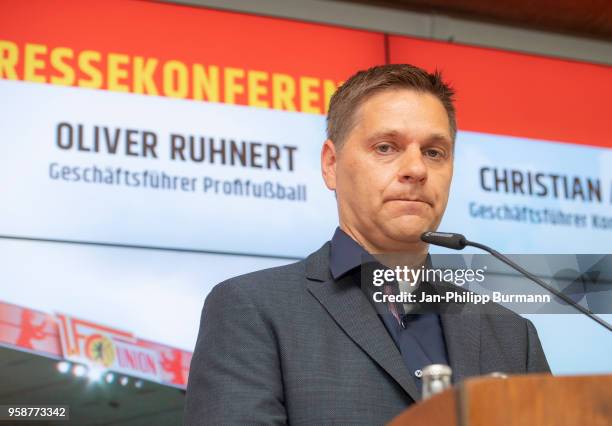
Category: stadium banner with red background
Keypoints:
(97, 347)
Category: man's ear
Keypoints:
(329, 161)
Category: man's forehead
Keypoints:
(354, 122)
(402, 111)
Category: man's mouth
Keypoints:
(410, 200)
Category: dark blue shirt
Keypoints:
(418, 337)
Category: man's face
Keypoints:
(392, 174)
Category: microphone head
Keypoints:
(445, 239)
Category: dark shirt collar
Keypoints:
(345, 255)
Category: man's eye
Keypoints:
(433, 153)
(384, 148)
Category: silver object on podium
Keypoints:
(436, 378)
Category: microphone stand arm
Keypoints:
(541, 283)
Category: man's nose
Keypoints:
(412, 167)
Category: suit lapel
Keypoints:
(461, 329)
(349, 307)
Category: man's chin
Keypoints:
(407, 230)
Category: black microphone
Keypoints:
(445, 239)
(459, 242)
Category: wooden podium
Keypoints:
(529, 400)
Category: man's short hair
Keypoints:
(359, 87)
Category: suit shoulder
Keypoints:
(503, 319)
(268, 279)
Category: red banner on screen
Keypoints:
(181, 52)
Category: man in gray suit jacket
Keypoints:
(304, 343)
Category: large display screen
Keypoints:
(150, 151)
